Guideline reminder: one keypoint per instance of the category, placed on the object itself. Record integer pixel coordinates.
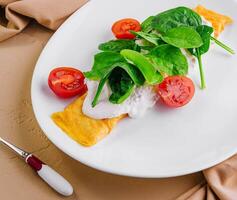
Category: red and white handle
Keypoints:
(50, 176)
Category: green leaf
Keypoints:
(102, 64)
(176, 17)
(105, 62)
(121, 86)
(132, 71)
(137, 47)
(147, 24)
(99, 90)
(144, 45)
(152, 38)
(205, 33)
(117, 45)
(169, 59)
(183, 37)
(151, 75)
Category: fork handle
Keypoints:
(50, 176)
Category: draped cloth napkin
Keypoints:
(49, 13)
(219, 182)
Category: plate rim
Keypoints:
(179, 172)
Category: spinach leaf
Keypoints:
(150, 37)
(121, 86)
(131, 72)
(102, 64)
(105, 62)
(183, 37)
(151, 75)
(137, 47)
(117, 45)
(144, 43)
(147, 24)
(176, 17)
(205, 33)
(99, 90)
(169, 59)
(134, 73)
(146, 49)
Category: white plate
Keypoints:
(165, 142)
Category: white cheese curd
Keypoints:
(135, 106)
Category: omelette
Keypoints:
(217, 20)
(81, 128)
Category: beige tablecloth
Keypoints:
(22, 41)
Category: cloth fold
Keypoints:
(220, 181)
(50, 14)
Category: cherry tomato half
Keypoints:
(121, 29)
(67, 82)
(176, 91)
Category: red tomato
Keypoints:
(176, 91)
(67, 82)
(122, 28)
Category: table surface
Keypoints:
(18, 56)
